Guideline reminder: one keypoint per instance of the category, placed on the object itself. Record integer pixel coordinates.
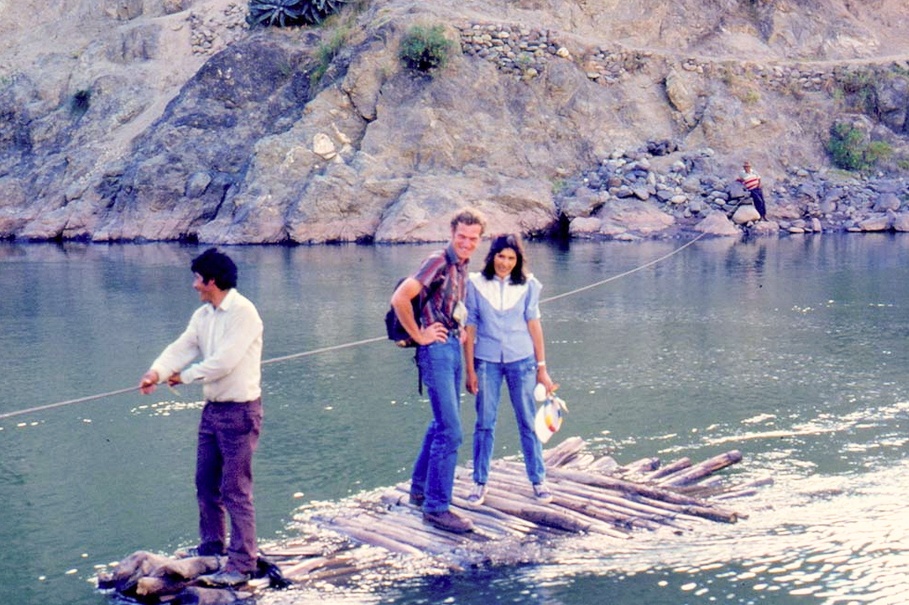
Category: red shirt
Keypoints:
(445, 278)
(751, 179)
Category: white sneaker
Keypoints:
(542, 493)
(477, 495)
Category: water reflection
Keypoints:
(792, 351)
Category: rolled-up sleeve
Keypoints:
(532, 307)
(227, 341)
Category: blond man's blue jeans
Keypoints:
(434, 470)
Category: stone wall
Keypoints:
(525, 52)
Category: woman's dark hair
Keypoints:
(499, 243)
(215, 265)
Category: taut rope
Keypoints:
(348, 345)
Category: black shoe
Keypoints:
(417, 498)
(448, 521)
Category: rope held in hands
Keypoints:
(60, 404)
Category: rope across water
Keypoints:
(59, 404)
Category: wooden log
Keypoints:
(615, 501)
(334, 572)
(461, 485)
(674, 467)
(436, 541)
(701, 470)
(617, 519)
(507, 523)
(504, 495)
(394, 497)
(373, 537)
(340, 563)
(763, 481)
(677, 503)
(714, 513)
(582, 461)
(636, 490)
(628, 513)
(306, 567)
(563, 452)
(439, 540)
(293, 551)
(624, 486)
(736, 494)
(640, 467)
(604, 464)
(745, 489)
(538, 515)
(408, 528)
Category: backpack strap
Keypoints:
(423, 300)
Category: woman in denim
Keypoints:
(505, 343)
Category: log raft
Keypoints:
(380, 533)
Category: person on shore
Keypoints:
(222, 348)
(438, 333)
(505, 343)
(752, 182)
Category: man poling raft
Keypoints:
(221, 348)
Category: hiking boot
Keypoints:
(477, 495)
(225, 578)
(417, 498)
(542, 493)
(448, 521)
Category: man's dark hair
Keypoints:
(499, 243)
(215, 265)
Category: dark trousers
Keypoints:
(228, 436)
(757, 196)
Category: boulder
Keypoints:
(717, 223)
(746, 213)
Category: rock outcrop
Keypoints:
(172, 120)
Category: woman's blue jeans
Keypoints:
(434, 470)
(521, 379)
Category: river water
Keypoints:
(791, 350)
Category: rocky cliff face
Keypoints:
(170, 119)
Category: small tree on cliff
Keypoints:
(425, 48)
(852, 149)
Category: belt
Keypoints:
(251, 401)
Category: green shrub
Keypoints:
(291, 12)
(850, 149)
(425, 48)
(878, 151)
(326, 53)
